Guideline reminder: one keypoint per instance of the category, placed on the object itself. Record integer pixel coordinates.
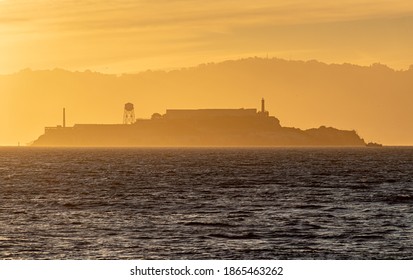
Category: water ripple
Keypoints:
(206, 203)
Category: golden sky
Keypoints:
(130, 36)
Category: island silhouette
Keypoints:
(196, 127)
(374, 99)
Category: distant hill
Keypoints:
(375, 101)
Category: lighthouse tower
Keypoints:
(263, 112)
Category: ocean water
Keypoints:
(280, 203)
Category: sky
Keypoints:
(131, 36)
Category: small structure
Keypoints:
(129, 114)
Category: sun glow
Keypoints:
(116, 37)
(125, 36)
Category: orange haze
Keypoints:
(374, 100)
(114, 37)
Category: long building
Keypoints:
(209, 113)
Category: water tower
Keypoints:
(129, 114)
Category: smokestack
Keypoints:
(262, 105)
(64, 117)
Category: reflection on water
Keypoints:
(206, 203)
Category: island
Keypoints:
(196, 128)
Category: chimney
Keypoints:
(64, 117)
